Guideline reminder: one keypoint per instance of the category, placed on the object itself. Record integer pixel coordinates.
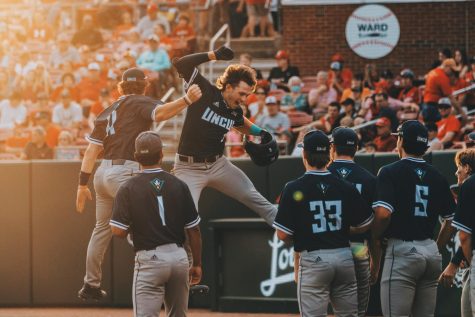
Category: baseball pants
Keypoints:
(161, 275)
(465, 300)
(327, 275)
(107, 180)
(223, 176)
(361, 258)
(409, 278)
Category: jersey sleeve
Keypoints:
(285, 220)
(147, 109)
(192, 219)
(99, 133)
(120, 210)
(361, 213)
(385, 190)
(463, 219)
(447, 203)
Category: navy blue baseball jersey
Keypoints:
(364, 181)
(464, 215)
(155, 207)
(118, 125)
(207, 120)
(318, 209)
(416, 194)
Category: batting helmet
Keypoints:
(264, 153)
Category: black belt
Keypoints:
(195, 159)
(118, 162)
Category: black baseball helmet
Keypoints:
(264, 153)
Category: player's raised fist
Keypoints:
(224, 53)
(194, 93)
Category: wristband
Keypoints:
(255, 130)
(84, 178)
(187, 100)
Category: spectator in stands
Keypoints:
(434, 142)
(165, 40)
(104, 101)
(339, 76)
(68, 82)
(88, 34)
(356, 92)
(276, 122)
(65, 149)
(257, 12)
(185, 33)
(146, 25)
(90, 86)
(332, 118)
(461, 62)
(409, 93)
(295, 100)
(258, 108)
(370, 147)
(237, 17)
(63, 52)
(371, 76)
(12, 112)
(437, 87)
(43, 119)
(385, 141)
(469, 80)
(348, 108)
(41, 80)
(39, 29)
(67, 114)
(279, 76)
(384, 110)
(323, 94)
(132, 44)
(448, 126)
(246, 59)
(126, 25)
(443, 54)
(386, 84)
(37, 149)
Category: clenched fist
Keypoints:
(194, 93)
(224, 53)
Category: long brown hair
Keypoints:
(132, 87)
(236, 73)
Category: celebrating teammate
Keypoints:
(316, 212)
(157, 208)
(200, 161)
(114, 133)
(410, 197)
(342, 150)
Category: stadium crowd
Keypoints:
(55, 79)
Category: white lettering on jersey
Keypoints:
(214, 118)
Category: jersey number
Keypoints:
(161, 209)
(328, 215)
(422, 194)
(110, 123)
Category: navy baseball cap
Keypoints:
(315, 142)
(148, 142)
(344, 136)
(414, 132)
(133, 74)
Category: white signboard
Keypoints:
(372, 31)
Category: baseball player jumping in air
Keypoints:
(157, 208)
(410, 197)
(200, 161)
(317, 212)
(114, 133)
(344, 144)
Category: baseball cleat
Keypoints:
(199, 289)
(89, 292)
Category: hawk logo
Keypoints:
(323, 187)
(420, 173)
(343, 172)
(157, 184)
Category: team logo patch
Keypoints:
(323, 187)
(157, 184)
(298, 195)
(420, 173)
(343, 172)
(216, 104)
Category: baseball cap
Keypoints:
(335, 66)
(271, 100)
(414, 132)
(337, 58)
(148, 142)
(348, 101)
(450, 62)
(94, 66)
(407, 73)
(133, 74)
(383, 122)
(282, 55)
(315, 142)
(152, 7)
(344, 136)
(444, 103)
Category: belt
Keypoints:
(118, 162)
(180, 245)
(194, 159)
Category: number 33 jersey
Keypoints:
(118, 125)
(416, 194)
(318, 209)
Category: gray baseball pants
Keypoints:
(361, 258)
(223, 176)
(107, 180)
(161, 275)
(327, 275)
(409, 278)
(465, 300)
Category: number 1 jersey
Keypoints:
(318, 209)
